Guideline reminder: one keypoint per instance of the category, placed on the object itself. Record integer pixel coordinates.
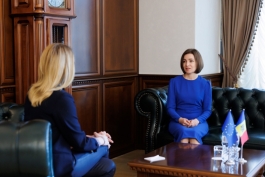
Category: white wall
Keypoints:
(168, 27)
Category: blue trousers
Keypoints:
(94, 164)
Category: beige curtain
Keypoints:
(238, 21)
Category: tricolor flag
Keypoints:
(241, 128)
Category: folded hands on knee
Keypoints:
(188, 123)
(103, 138)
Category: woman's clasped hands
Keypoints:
(188, 123)
(103, 138)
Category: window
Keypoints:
(253, 70)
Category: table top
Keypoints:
(184, 158)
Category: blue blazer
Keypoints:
(60, 110)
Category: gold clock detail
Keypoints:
(57, 3)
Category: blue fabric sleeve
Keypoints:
(171, 103)
(207, 103)
(69, 126)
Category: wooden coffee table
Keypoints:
(196, 161)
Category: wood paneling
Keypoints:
(56, 21)
(118, 114)
(6, 45)
(88, 100)
(216, 79)
(33, 21)
(86, 39)
(119, 36)
(149, 81)
(24, 56)
(108, 105)
(7, 95)
(7, 69)
(105, 44)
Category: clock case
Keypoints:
(53, 3)
(36, 25)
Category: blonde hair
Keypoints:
(56, 71)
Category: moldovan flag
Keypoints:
(241, 128)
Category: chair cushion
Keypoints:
(24, 153)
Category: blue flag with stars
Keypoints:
(228, 129)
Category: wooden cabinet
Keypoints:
(36, 25)
(7, 70)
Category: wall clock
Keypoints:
(57, 3)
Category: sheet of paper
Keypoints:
(154, 158)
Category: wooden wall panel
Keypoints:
(7, 95)
(6, 45)
(105, 43)
(149, 81)
(7, 77)
(24, 63)
(120, 37)
(108, 105)
(7, 69)
(88, 100)
(119, 114)
(85, 38)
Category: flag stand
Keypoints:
(241, 159)
(229, 161)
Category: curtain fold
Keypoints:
(238, 22)
(252, 72)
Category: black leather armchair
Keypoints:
(26, 147)
(151, 103)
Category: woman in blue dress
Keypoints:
(189, 100)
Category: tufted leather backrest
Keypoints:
(11, 112)
(237, 99)
(151, 104)
(223, 99)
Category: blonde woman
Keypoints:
(74, 152)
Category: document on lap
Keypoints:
(154, 158)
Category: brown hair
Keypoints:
(198, 59)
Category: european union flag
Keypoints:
(228, 129)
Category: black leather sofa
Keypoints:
(25, 147)
(151, 103)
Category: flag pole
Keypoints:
(241, 159)
(242, 131)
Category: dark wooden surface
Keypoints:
(196, 160)
(7, 74)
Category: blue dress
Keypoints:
(189, 99)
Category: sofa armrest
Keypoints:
(26, 148)
(151, 103)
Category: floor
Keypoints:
(122, 168)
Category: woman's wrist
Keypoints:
(100, 140)
(179, 120)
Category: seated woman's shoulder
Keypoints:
(62, 94)
(206, 81)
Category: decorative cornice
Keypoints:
(7, 89)
(165, 172)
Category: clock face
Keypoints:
(57, 3)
